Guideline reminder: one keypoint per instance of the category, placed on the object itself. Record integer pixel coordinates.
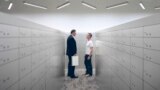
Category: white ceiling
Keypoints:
(78, 16)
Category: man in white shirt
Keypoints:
(88, 55)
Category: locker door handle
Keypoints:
(8, 46)
(148, 57)
(1, 45)
(133, 53)
(8, 33)
(24, 88)
(8, 59)
(133, 44)
(146, 44)
(146, 33)
(5, 80)
(1, 31)
(4, 60)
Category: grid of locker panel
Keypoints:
(134, 53)
(112, 46)
(27, 55)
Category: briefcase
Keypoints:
(75, 60)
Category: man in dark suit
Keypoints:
(71, 51)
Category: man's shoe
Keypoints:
(86, 75)
(69, 75)
(74, 77)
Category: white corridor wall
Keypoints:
(128, 55)
(31, 55)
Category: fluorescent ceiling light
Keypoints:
(142, 6)
(88, 5)
(10, 6)
(157, 7)
(33, 5)
(117, 5)
(64, 5)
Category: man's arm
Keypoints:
(75, 48)
(91, 51)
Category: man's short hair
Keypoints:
(90, 34)
(73, 30)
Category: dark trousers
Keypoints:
(88, 64)
(70, 67)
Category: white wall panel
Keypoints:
(8, 43)
(25, 66)
(24, 32)
(152, 43)
(14, 87)
(152, 31)
(25, 49)
(9, 74)
(25, 42)
(151, 74)
(136, 83)
(148, 87)
(136, 32)
(134, 48)
(8, 56)
(152, 55)
(8, 31)
(135, 51)
(137, 42)
(25, 83)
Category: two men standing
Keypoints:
(72, 51)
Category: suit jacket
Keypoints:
(71, 46)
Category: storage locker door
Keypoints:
(25, 83)
(151, 74)
(9, 74)
(137, 32)
(8, 43)
(137, 42)
(152, 43)
(148, 87)
(25, 32)
(136, 83)
(152, 55)
(25, 66)
(8, 31)
(25, 42)
(152, 31)
(135, 51)
(8, 56)
(137, 66)
(14, 87)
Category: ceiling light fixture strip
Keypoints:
(64, 5)
(88, 5)
(157, 7)
(142, 5)
(34, 5)
(118, 5)
(10, 6)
